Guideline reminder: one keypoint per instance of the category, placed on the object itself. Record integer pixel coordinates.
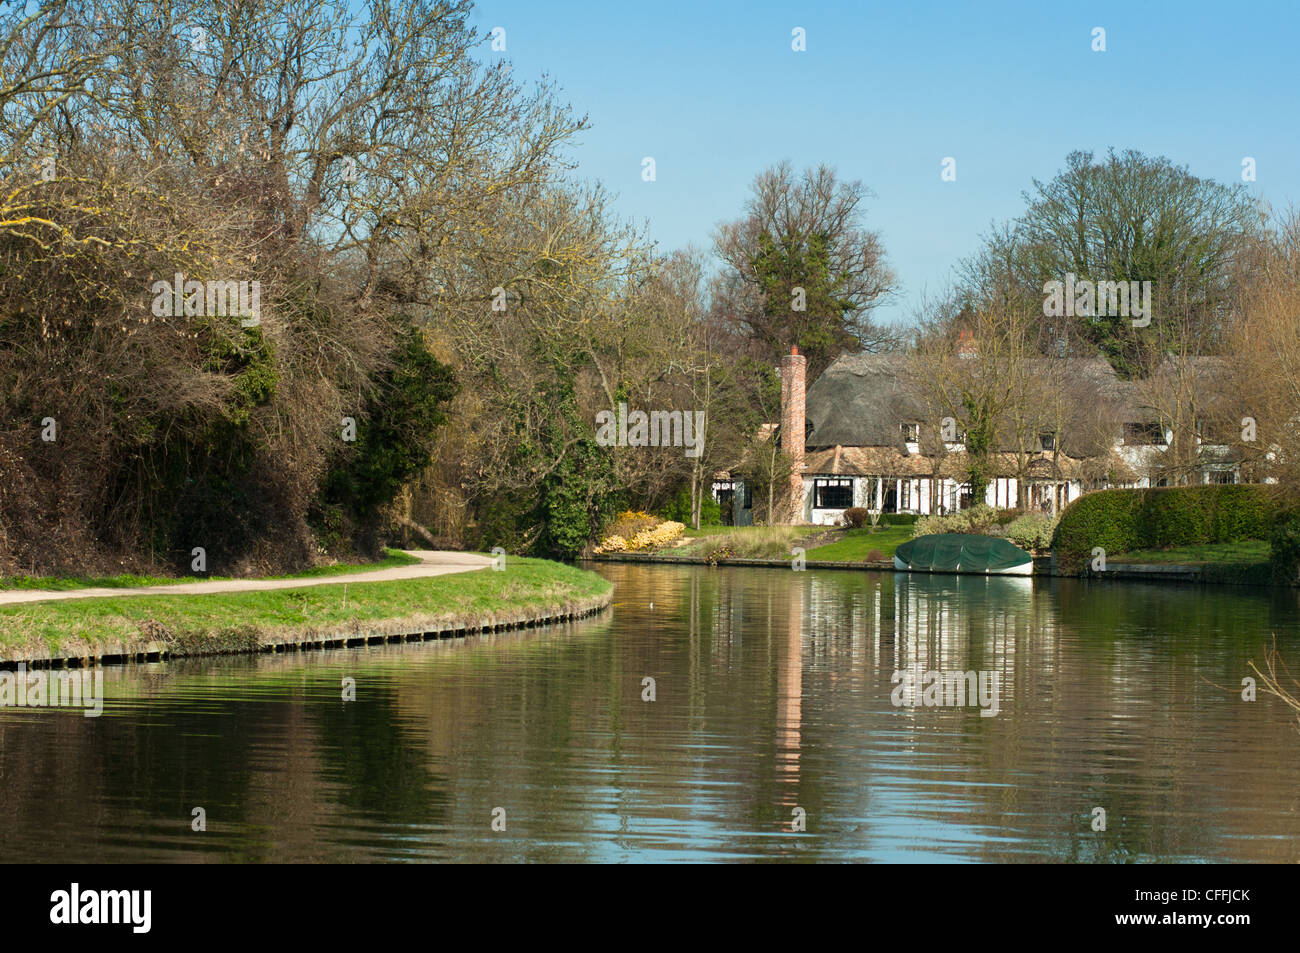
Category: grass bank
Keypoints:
(1245, 562)
(391, 559)
(825, 543)
(855, 544)
(1241, 551)
(251, 621)
(745, 542)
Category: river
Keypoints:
(775, 732)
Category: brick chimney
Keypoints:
(794, 369)
(966, 346)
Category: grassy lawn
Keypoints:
(1244, 551)
(854, 544)
(229, 620)
(391, 558)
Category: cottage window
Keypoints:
(1144, 434)
(832, 494)
(1048, 440)
(911, 432)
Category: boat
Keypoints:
(963, 552)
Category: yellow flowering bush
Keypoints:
(661, 535)
(634, 531)
(613, 544)
(630, 522)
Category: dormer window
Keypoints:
(1048, 441)
(911, 433)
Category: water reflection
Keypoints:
(773, 693)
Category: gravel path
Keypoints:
(435, 563)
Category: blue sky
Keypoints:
(714, 92)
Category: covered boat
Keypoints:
(962, 552)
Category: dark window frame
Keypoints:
(838, 488)
(1142, 434)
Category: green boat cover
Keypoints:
(961, 552)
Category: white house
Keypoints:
(869, 441)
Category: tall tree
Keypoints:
(1263, 415)
(1129, 217)
(802, 269)
(343, 157)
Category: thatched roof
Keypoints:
(860, 401)
(868, 461)
(1211, 377)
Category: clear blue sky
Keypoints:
(713, 91)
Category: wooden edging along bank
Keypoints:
(333, 637)
(1043, 566)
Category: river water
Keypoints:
(774, 708)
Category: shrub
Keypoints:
(982, 519)
(928, 525)
(1246, 512)
(634, 531)
(1284, 546)
(394, 445)
(875, 556)
(630, 522)
(855, 517)
(613, 544)
(1120, 521)
(1108, 519)
(899, 519)
(661, 535)
(1178, 519)
(1033, 531)
(952, 523)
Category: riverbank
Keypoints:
(737, 561)
(287, 616)
(1210, 574)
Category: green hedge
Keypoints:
(899, 519)
(1284, 543)
(1120, 521)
